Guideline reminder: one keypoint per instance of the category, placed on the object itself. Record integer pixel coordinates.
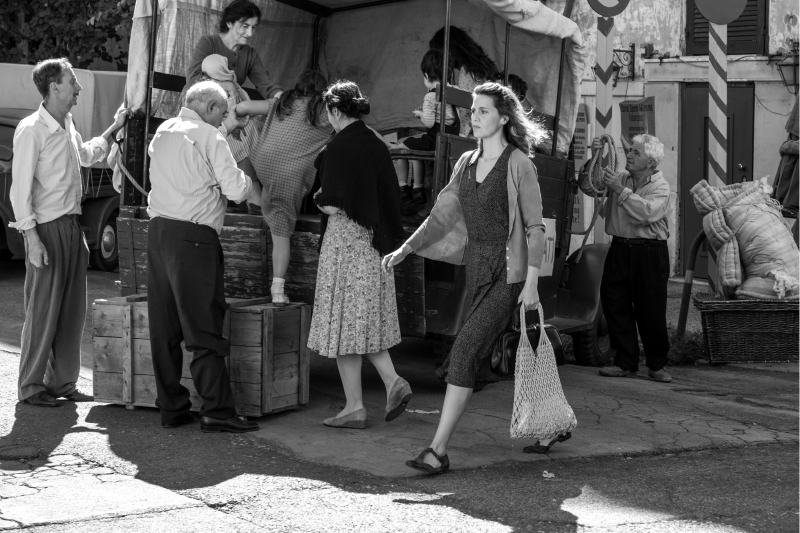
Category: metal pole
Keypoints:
(445, 68)
(558, 96)
(148, 102)
(508, 52)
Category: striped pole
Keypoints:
(717, 154)
(604, 73)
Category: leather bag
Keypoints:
(505, 350)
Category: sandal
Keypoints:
(538, 448)
(422, 466)
(279, 299)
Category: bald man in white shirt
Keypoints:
(193, 175)
(46, 196)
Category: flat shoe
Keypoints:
(231, 425)
(616, 372)
(279, 299)
(662, 376)
(422, 466)
(355, 420)
(539, 448)
(42, 399)
(78, 396)
(399, 397)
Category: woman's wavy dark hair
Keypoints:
(310, 83)
(236, 11)
(520, 130)
(345, 96)
(466, 53)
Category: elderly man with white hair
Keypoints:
(633, 291)
(193, 175)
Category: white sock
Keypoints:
(277, 285)
(402, 183)
(418, 185)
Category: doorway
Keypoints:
(694, 146)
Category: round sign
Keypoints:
(720, 12)
(608, 8)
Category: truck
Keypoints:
(101, 96)
(378, 44)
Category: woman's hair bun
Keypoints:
(362, 104)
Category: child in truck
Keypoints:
(429, 114)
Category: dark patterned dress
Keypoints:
(485, 208)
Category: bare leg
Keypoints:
(418, 173)
(401, 168)
(455, 403)
(350, 372)
(382, 362)
(280, 256)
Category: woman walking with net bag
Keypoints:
(488, 217)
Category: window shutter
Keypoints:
(746, 35)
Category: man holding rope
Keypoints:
(633, 291)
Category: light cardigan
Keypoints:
(443, 235)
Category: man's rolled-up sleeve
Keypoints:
(26, 156)
(91, 151)
(233, 183)
(645, 209)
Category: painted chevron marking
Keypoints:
(718, 135)
(605, 25)
(721, 44)
(603, 75)
(718, 100)
(603, 119)
(718, 68)
(717, 168)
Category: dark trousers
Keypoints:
(55, 309)
(634, 294)
(186, 302)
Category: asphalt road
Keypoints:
(221, 482)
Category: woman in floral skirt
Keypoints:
(355, 310)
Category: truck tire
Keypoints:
(593, 347)
(106, 256)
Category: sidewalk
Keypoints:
(704, 408)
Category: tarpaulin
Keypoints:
(378, 47)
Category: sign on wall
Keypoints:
(637, 117)
(608, 8)
(549, 256)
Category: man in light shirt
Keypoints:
(193, 175)
(633, 291)
(46, 196)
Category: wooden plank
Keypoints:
(127, 354)
(284, 386)
(286, 331)
(267, 360)
(285, 366)
(304, 364)
(246, 329)
(107, 321)
(282, 403)
(245, 365)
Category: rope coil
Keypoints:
(596, 184)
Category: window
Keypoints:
(746, 35)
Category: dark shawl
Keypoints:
(357, 176)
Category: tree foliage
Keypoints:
(81, 30)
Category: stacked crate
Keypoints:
(269, 363)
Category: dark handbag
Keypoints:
(504, 355)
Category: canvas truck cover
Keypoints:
(100, 98)
(378, 47)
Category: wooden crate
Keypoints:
(247, 246)
(243, 242)
(269, 363)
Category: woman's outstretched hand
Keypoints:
(395, 258)
(529, 297)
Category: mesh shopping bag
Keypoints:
(540, 409)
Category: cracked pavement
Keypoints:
(714, 451)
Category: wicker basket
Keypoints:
(749, 331)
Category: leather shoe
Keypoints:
(180, 420)
(616, 372)
(422, 466)
(231, 425)
(78, 396)
(398, 398)
(42, 399)
(355, 420)
(662, 376)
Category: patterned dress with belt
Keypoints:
(492, 298)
